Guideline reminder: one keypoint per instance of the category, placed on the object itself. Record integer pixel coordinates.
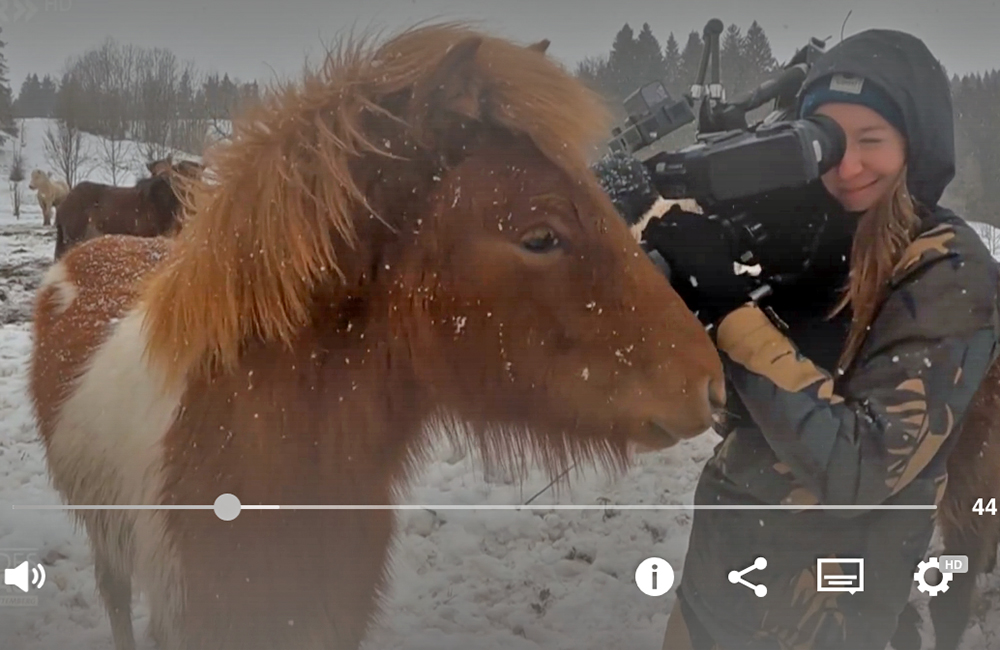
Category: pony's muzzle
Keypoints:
(707, 401)
(716, 393)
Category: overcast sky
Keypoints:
(261, 38)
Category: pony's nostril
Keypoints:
(716, 393)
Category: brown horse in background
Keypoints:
(167, 167)
(151, 208)
(973, 475)
(409, 237)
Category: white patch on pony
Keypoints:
(65, 290)
(658, 209)
(107, 448)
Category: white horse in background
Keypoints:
(50, 193)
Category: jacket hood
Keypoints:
(905, 69)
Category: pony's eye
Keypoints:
(540, 240)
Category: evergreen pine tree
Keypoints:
(7, 125)
(690, 61)
(649, 56)
(733, 66)
(47, 97)
(26, 104)
(623, 63)
(671, 66)
(757, 54)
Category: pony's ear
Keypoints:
(452, 87)
(541, 46)
(450, 95)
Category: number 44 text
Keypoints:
(984, 506)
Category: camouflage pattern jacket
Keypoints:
(878, 435)
(863, 437)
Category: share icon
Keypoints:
(736, 577)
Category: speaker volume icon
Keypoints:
(18, 576)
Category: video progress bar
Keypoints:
(228, 507)
(491, 507)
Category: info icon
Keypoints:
(654, 576)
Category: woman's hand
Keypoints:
(701, 256)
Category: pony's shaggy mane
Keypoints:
(261, 237)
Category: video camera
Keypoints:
(733, 165)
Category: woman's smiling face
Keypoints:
(874, 156)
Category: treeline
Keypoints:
(126, 92)
(210, 97)
(976, 188)
(122, 93)
(37, 97)
(746, 60)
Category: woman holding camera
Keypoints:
(848, 388)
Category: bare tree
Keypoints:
(156, 91)
(146, 95)
(219, 128)
(190, 135)
(190, 126)
(64, 147)
(113, 147)
(222, 99)
(17, 169)
(64, 150)
(106, 77)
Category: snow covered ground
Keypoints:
(462, 579)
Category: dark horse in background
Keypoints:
(151, 208)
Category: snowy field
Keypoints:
(462, 579)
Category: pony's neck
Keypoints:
(312, 424)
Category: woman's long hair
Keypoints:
(882, 235)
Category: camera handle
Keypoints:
(711, 94)
(715, 114)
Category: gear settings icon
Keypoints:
(920, 577)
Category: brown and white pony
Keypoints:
(50, 193)
(411, 236)
(152, 208)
